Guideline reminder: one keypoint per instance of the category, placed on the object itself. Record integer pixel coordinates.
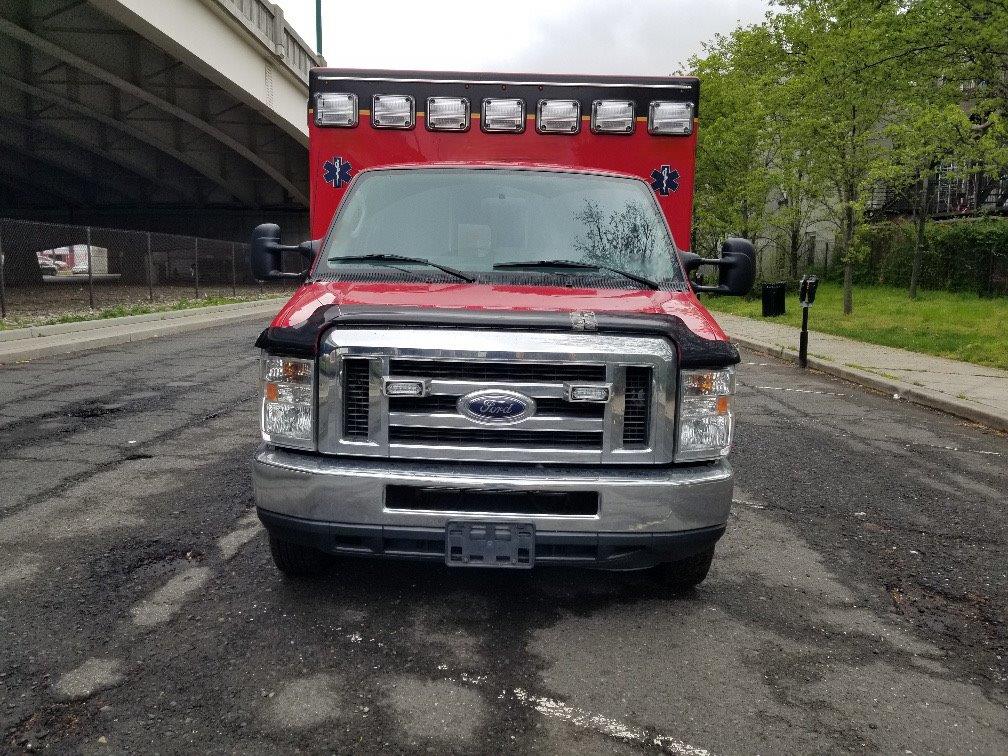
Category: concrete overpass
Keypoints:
(175, 115)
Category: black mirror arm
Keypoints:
(306, 249)
(278, 274)
(692, 261)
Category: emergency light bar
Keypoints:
(558, 117)
(666, 117)
(612, 117)
(447, 114)
(503, 115)
(392, 112)
(336, 109)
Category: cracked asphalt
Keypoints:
(857, 602)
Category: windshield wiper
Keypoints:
(381, 257)
(573, 264)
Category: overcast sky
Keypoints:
(542, 36)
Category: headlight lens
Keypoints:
(288, 409)
(705, 417)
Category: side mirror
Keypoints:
(266, 253)
(736, 268)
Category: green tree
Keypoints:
(836, 54)
(828, 101)
(734, 151)
(948, 113)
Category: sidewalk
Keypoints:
(970, 391)
(20, 344)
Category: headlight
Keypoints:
(705, 417)
(288, 409)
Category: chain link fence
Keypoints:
(48, 270)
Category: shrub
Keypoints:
(960, 255)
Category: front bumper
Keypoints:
(645, 515)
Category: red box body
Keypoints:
(638, 154)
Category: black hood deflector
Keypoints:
(303, 340)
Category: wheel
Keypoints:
(295, 560)
(683, 574)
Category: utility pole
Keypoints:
(318, 26)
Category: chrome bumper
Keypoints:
(313, 488)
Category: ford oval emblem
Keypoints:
(496, 407)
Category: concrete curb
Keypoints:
(21, 344)
(931, 399)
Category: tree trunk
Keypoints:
(849, 191)
(848, 267)
(848, 300)
(918, 258)
(793, 252)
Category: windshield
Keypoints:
(473, 219)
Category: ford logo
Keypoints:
(496, 407)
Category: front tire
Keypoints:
(295, 560)
(683, 575)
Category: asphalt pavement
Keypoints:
(857, 601)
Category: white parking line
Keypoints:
(954, 449)
(550, 707)
(789, 388)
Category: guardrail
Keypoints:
(265, 21)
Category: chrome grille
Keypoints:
(634, 427)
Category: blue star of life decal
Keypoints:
(336, 172)
(665, 180)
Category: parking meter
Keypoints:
(807, 289)
(806, 295)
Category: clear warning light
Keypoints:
(336, 109)
(447, 113)
(670, 118)
(558, 117)
(612, 117)
(503, 115)
(392, 112)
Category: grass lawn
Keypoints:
(118, 311)
(958, 326)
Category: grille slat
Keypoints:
(356, 398)
(513, 372)
(495, 438)
(552, 407)
(637, 412)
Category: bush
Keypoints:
(960, 255)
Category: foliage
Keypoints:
(733, 168)
(962, 255)
(954, 325)
(807, 114)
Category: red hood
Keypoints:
(462, 296)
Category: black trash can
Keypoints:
(773, 299)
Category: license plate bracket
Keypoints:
(490, 544)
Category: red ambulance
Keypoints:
(497, 357)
